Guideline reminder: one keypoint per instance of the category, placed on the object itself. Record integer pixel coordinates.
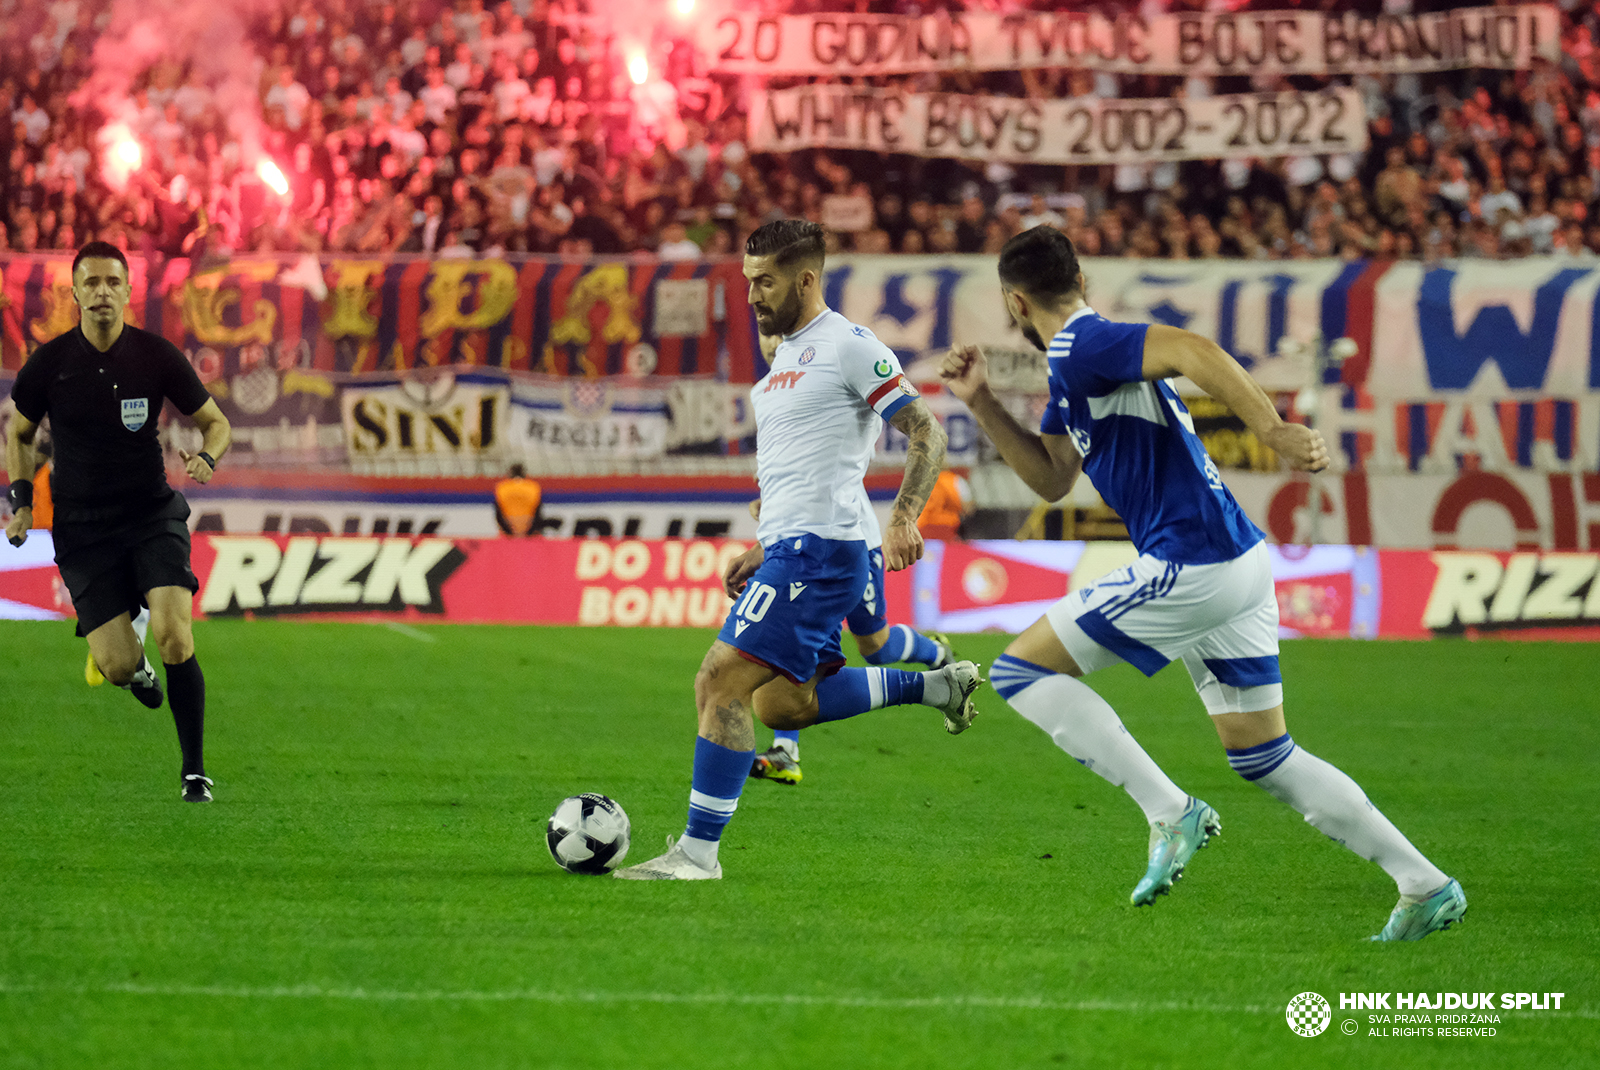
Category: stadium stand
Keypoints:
(462, 130)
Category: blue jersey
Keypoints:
(1138, 445)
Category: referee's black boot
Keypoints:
(146, 685)
(196, 788)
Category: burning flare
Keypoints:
(269, 173)
(122, 155)
(638, 68)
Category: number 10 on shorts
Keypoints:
(753, 605)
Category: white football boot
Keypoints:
(959, 711)
(675, 865)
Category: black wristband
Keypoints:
(206, 457)
(20, 494)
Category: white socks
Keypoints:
(935, 689)
(702, 853)
(1085, 726)
(1335, 805)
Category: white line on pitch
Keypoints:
(537, 996)
(521, 995)
(410, 632)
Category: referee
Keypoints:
(120, 534)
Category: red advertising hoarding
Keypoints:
(1327, 591)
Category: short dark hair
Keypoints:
(788, 242)
(102, 250)
(517, 471)
(1042, 263)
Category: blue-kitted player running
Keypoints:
(1201, 589)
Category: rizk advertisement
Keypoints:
(1003, 585)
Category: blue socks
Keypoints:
(719, 776)
(905, 645)
(849, 692)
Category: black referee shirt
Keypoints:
(103, 410)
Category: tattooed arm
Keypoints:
(902, 543)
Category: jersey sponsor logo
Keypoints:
(1478, 590)
(135, 412)
(883, 369)
(795, 590)
(253, 573)
(782, 381)
(809, 355)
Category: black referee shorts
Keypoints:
(108, 565)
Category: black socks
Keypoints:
(186, 694)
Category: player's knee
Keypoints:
(785, 716)
(176, 644)
(118, 668)
(870, 645)
(707, 692)
(1055, 659)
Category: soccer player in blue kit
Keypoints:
(1201, 588)
(817, 420)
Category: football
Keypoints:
(588, 834)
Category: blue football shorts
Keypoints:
(1221, 619)
(788, 616)
(871, 614)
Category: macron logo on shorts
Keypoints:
(795, 589)
(739, 626)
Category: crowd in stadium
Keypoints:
(425, 127)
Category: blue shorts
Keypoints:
(788, 616)
(871, 614)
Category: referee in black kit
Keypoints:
(120, 534)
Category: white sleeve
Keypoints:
(873, 371)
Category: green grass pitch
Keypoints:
(372, 889)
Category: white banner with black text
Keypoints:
(1080, 131)
(1251, 42)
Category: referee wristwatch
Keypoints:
(206, 457)
(19, 495)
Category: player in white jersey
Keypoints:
(1201, 589)
(879, 642)
(817, 418)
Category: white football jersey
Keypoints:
(817, 414)
(869, 521)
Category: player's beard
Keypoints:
(784, 317)
(1031, 333)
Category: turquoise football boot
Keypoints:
(1413, 918)
(1171, 847)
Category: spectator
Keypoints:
(290, 98)
(675, 244)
